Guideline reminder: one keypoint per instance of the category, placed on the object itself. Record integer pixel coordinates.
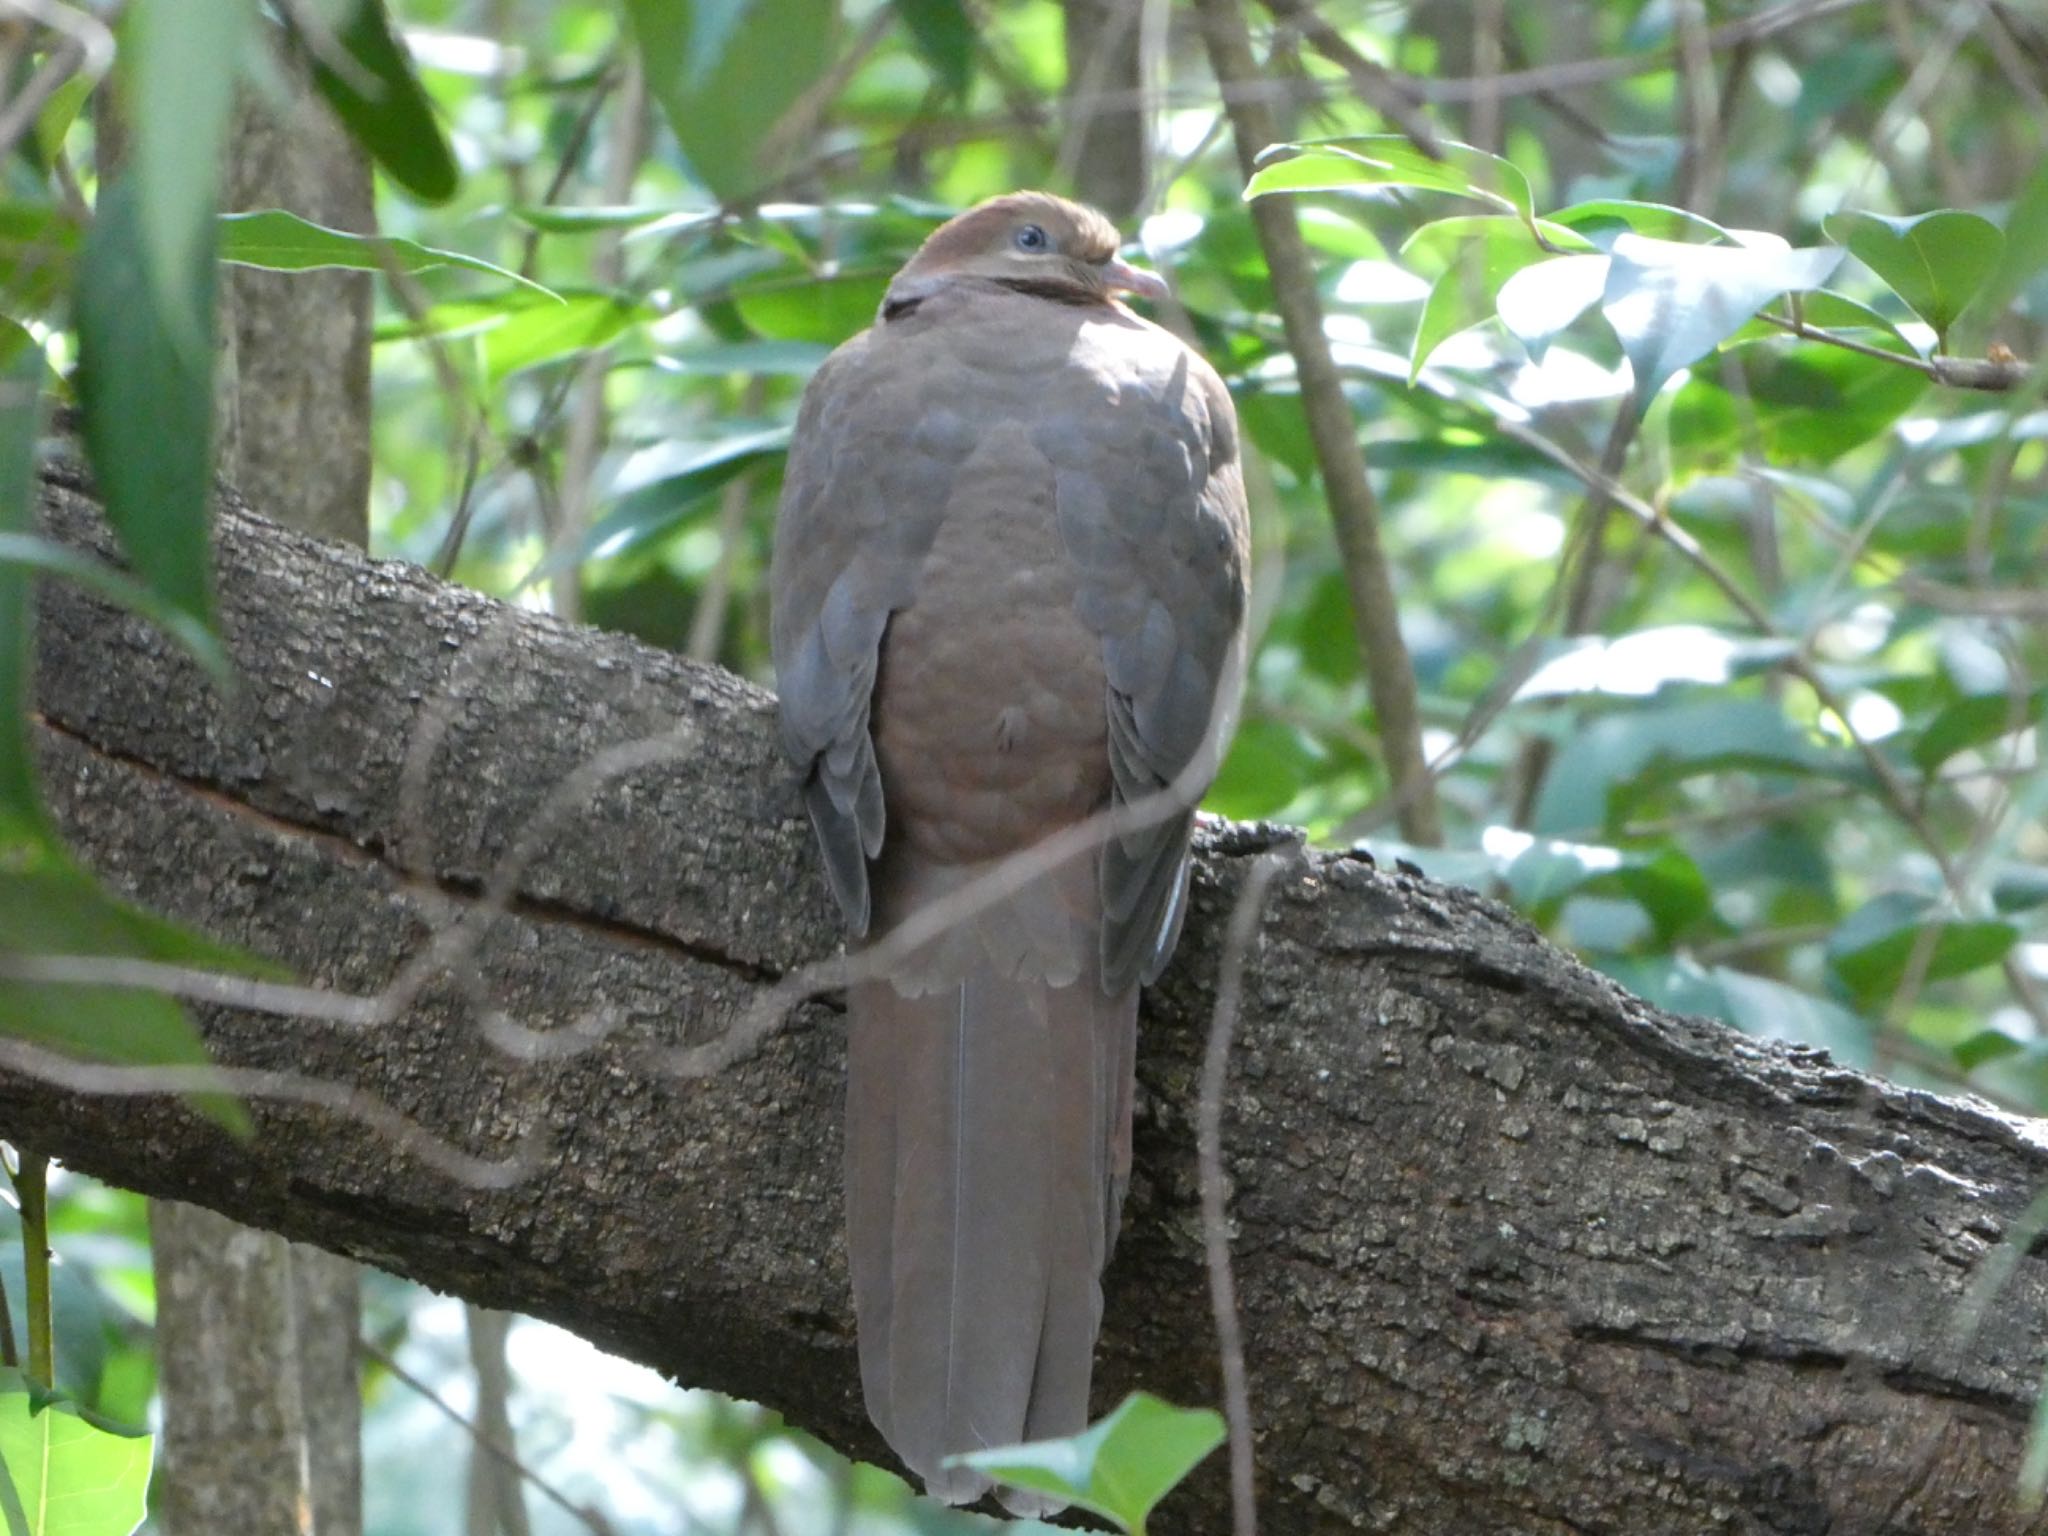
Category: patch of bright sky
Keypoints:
(1857, 634)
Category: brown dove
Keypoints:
(1009, 596)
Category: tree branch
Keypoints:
(1514, 1251)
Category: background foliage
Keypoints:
(1696, 394)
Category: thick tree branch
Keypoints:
(1515, 1252)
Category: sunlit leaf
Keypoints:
(392, 119)
(75, 1476)
(1936, 262)
(1874, 946)
(145, 381)
(1464, 294)
(283, 242)
(582, 220)
(1121, 1466)
(1389, 160)
(1540, 301)
(1672, 304)
(1603, 218)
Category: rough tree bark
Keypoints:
(1516, 1251)
(256, 1348)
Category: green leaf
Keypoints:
(1605, 760)
(1796, 403)
(278, 241)
(725, 72)
(1264, 769)
(1672, 304)
(1464, 295)
(2020, 887)
(2026, 247)
(1935, 262)
(1757, 1005)
(392, 119)
(38, 254)
(655, 510)
(1389, 160)
(1542, 299)
(1665, 883)
(576, 323)
(1972, 721)
(943, 34)
(179, 60)
(814, 309)
(1120, 1467)
(1601, 219)
(1985, 1045)
(1872, 947)
(54, 122)
(73, 1477)
(145, 381)
(557, 219)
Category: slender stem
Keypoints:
(1390, 674)
(32, 1192)
(1981, 373)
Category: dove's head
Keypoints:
(1031, 241)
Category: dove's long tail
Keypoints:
(988, 1127)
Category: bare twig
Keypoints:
(589, 1518)
(1390, 675)
(1238, 941)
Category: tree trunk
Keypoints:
(1516, 1251)
(256, 1343)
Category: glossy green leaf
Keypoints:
(1664, 883)
(943, 33)
(73, 1476)
(1872, 948)
(1121, 1466)
(1537, 303)
(723, 93)
(1973, 721)
(1935, 262)
(1488, 252)
(1389, 160)
(656, 510)
(179, 60)
(278, 241)
(1794, 403)
(819, 309)
(383, 105)
(1672, 304)
(1985, 1045)
(1601, 219)
(145, 382)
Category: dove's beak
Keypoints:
(1119, 276)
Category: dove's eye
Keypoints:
(1031, 238)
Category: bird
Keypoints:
(1007, 597)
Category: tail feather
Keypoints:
(988, 1148)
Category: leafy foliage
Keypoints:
(1709, 456)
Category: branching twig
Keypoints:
(1390, 675)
